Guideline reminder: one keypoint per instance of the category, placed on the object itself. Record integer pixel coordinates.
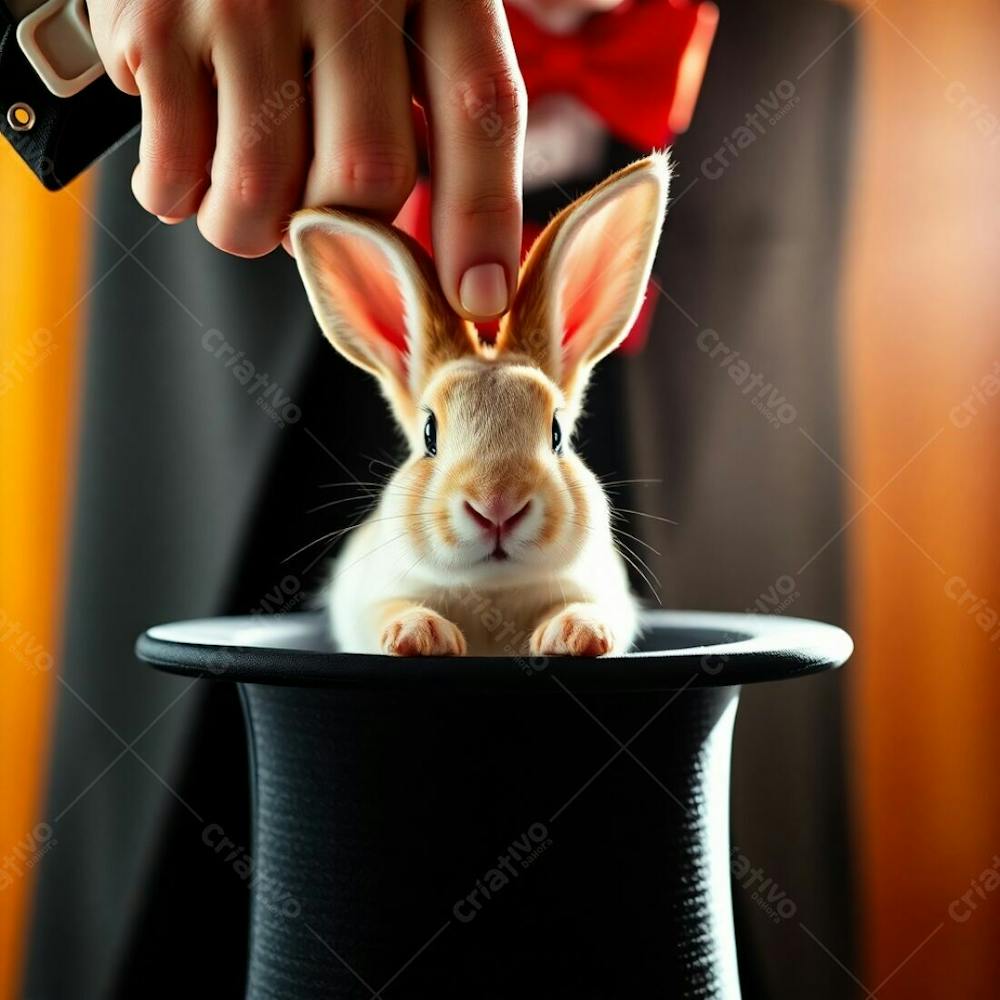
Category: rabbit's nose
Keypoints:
(499, 515)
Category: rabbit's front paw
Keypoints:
(421, 632)
(575, 631)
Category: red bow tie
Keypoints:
(637, 66)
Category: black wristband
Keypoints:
(57, 137)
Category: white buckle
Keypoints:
(56, 40)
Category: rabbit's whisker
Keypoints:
(351, 482)
(333, 535)
(633, 559)
(385, 486)
(642, 513)
(371, 552)
(388, 491)
(412, 566)
(628, 482)
(638, 558)
(638, 570)
(330, 535)
(334, 503)
(635, 538)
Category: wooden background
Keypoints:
(921, 328)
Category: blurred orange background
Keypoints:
(43, 246)
(921, 329)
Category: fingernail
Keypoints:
(169, 220)
(483, 290)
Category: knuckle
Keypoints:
(172, 175)
(138, 26)
(256, 183)
(493, 99)
(373, 174)
(234, 12)
(491, 205)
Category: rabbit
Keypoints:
(493, 537)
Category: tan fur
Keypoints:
(417, 578)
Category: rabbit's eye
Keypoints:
(556, 435)
(431, 435)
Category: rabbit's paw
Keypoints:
(421, 632)
(575, 631)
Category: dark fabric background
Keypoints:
(191, 499)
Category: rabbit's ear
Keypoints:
(583, 282)
(377, 298)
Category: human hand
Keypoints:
(252, 109)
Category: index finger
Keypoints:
(476, 109)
